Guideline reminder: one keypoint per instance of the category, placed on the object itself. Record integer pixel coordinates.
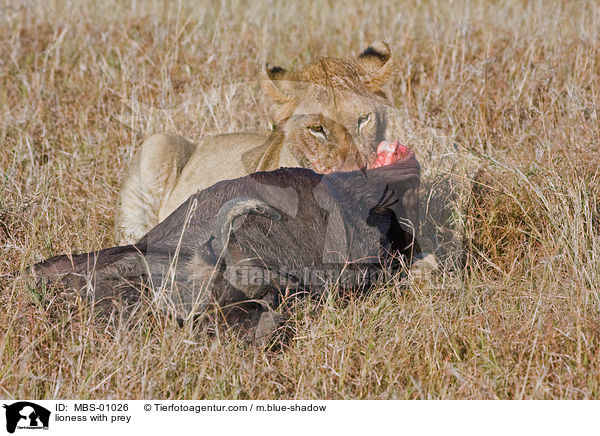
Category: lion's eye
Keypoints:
(318, 132)
(363, 121)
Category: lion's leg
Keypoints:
(153, 175)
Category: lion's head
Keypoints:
(332, 112)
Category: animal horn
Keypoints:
(224, 222)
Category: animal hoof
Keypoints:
(268, 325)
(425, 267)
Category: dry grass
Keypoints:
(511, 85)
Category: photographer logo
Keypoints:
(26, 415)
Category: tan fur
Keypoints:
(329, 116)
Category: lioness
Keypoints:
(329, 115)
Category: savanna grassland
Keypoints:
(507, 91)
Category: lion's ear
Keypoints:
(378, 64)
(278, 85)
(274, 83)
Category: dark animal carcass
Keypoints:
(260, 237)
